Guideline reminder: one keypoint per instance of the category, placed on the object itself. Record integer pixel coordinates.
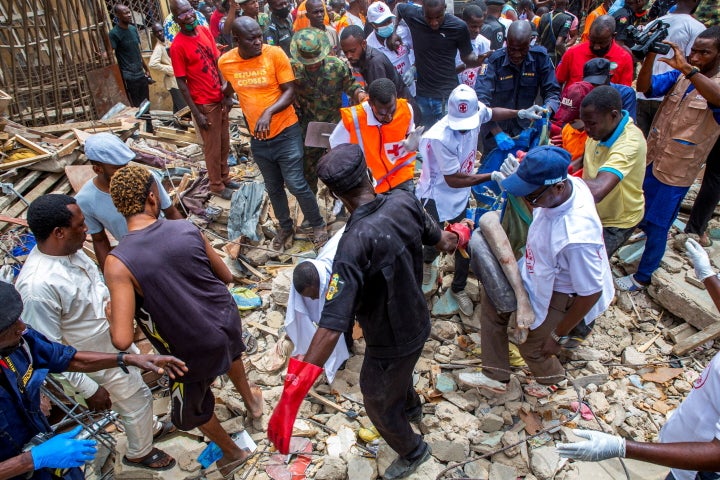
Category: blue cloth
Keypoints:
(661, 84)
(629, 99)
(662, 204)
(20, 414)
(502, 84)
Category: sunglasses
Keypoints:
(533, 199)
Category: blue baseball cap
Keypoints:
(106, 148)
(546, 165)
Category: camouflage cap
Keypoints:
(309, 46)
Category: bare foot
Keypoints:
(228, 463)
(255, 408)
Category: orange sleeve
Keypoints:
(283, 69)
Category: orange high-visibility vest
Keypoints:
(382, 146)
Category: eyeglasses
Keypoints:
(533, 199)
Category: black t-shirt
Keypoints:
(494, 31)
(553, 25)
(126, 43)
(377, 65)
(435, 50)
(377, 275)
(623, 18)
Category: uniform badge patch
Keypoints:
(335, 287)
(483, 69)
(499, 37)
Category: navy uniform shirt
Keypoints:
(23, 373)
(494, 31)
(502, 84)
(377, 275)
(279, 32)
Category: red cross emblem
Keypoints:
(395, 150)
(463, 107)
(380, 8)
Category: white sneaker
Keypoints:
(629, 284)
(464, 302)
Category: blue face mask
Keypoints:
(385, 31)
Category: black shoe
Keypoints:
(402, 467)
(232, 185)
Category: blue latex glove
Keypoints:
(63, 451)
(504, 142)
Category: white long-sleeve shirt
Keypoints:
(64, 298)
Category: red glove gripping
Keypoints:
(463, 232)
(298, 381)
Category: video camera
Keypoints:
(649, 39)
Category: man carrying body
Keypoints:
(27, 358)
(125, 41)
(682, 134)
(380, 126)
(194, 58)
(613, 165)
(279, 31)
(437, 37)
(384, 295)
(201, 326)
(262, 77)
(513, 77)
(565, 272)
(320, 80)
(449, 152)
(64, 299)
(107, 154)
(369, 62)
(600, 45)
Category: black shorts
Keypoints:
(193, 403)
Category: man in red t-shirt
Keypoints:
(601, 44)
(194, 58)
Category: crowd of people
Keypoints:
(404, 87)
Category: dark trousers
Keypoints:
(137, 90)
(708, 196)
(462, 264)
(615, 237)
(646, 111)
(216, 144)
(388, 394)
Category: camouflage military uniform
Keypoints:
(708, 12)
(318, 94)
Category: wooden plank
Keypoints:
(17, 221)
(705, 335)
(66, 127)
(21, 186)
(39, 190)
(681, 332)
(78, 175)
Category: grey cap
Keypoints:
(106, 148)
(12, 305)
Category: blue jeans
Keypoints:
(280, 160)
(662, 204)
(432, 109)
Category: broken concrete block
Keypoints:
(491, 423)
(511, 438)
(462, 400)
(333, 468)
(498, 471)
(683, 300)
(281, 286)
(692, 280)
(598, 402)
(361, 468)
(632, 357)
(544, 462)
(234, 425)
(449, 451)
(477, 469)
(672, 263)
(445, 383)
(274, 319)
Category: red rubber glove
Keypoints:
(300, 377)
(463, 232)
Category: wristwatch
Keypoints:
(692, 72)
(558, 339)
(121, 362)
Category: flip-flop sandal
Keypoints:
(250, 342)
(154, 456)
(539, 390)
(231, 474)
(167, 429)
